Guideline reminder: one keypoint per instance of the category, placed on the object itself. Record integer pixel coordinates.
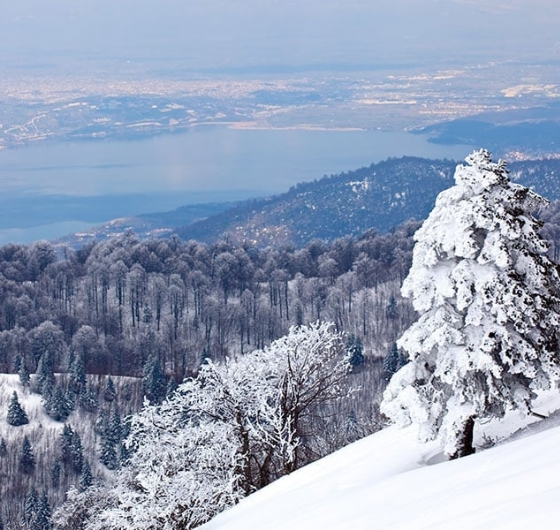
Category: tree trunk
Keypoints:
(465, 443)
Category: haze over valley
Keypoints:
(87, 89)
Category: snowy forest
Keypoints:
(251, 363)
(88, 333)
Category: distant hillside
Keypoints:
(528, 129)
(380, 196)
(149, 225)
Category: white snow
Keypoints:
(390, 481)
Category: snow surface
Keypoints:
(391, 481)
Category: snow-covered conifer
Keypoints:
(56, 404)
(71, 449)
(110, 392)
(487, 295)
(16, 415)
(27, 457)
(86, 479)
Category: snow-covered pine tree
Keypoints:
(488, 298)
(44, 376)
(30, 506)
(56, 405)
(86, 480)
(110, 392)
(153, 380)
(24, 376)
(16, 415)
(71, 450)
(42, 517)
(27, 457)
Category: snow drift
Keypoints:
(391, 481)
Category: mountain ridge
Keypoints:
(380, 196)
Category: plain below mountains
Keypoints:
(380, 196)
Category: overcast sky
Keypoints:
(218, 34)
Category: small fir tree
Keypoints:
(16, 415)
(355, 350)
(55, 475)
(24, 376)
(42, 517)
(110, 393)
(393, 361)
(44, 376)
(86, 480)
(77, 377)
(56, 405)
(30, 506)
(17, 364)
(3, 448)
(27, 457)
(171, 386)
(392, 310)
(153, 380)
(101, 422)
(108, 454)
(113, 431)
(489, 304)
(71, 451)
(88, 399)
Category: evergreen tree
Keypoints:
(86, 480)
(3, 448)
(488, 298)
(17, 364)
(108, 454)
(70, 400)
(110, 393)
(153, 380)
(355, 350)
(27, 457)
(392, 311)
(101, 422)
(42, 518)
(24, 376)
(113, 432)
(55, 475)
(56, 405)
(393, 361)
(31, 505)
(77, 377)
(16, 415)
(44, 376)
(88, 399)
(71, 449)
(1, 523)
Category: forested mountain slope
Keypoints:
(380, 196)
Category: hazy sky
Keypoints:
(218, 34)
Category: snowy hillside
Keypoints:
(390, 481)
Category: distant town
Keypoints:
(35, 108)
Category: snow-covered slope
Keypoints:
(390, 481)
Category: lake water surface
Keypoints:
(201, 165)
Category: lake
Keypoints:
(49, 189)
